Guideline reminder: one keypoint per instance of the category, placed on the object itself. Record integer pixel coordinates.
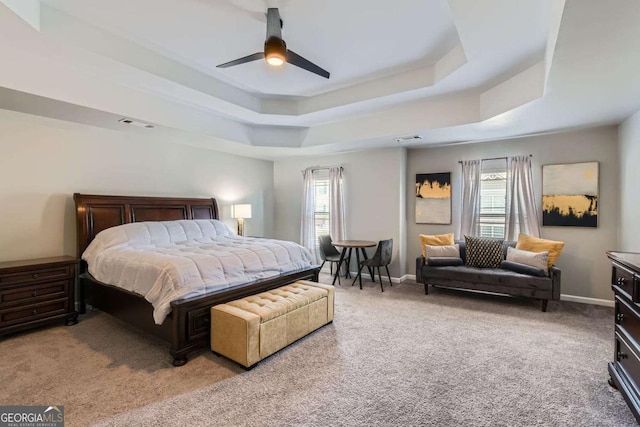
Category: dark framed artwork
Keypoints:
(433, 198)
(570, 194)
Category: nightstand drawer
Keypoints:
(36, 275)
(624, 282)
(30, 294)
(21, 314)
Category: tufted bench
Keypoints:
(249, 329)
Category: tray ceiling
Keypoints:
(450, 71)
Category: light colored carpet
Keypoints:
(394, 358)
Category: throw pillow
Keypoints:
(435, 240)
(534, 244)
(442, 251)
(522, 268)
(534, 259)
(483, 252)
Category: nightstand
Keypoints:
(36, 292)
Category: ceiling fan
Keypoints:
(275, 49)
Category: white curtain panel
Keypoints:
(470, 198)
(521, 210)
(336, 207)
(336, 204)
(307, 233)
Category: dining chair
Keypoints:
(328, 252)
(382, 258)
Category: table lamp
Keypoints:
(241, 212)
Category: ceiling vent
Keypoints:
(136, 123)
(408, 138)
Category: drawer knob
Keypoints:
(35, 275)
(621, 281)
(620, 317)
(621, 355)
(35, 311)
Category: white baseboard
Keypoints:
(587, 300)
(402, 278)
(393, 279)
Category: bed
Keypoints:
(187, 326)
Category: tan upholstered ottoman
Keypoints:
(249, 329)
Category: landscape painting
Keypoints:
(433, 198)
(570, 194)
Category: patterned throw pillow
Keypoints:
(483, 252)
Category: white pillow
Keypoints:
(442, 251)
(534, 259)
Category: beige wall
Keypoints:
(374, 183)
(585, 268)
(629, 232)
(43, 162)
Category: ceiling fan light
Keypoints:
(275, 60)
(275, 51)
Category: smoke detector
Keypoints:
(408, 138)
(136, 123)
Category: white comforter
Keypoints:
(168, 260)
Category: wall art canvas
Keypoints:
(433, 198)
(570, 194)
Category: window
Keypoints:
(322, 206)
(321, 213)
(493, 199)
(487, 186)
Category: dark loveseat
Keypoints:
(496, 280)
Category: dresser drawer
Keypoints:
(36, 275)
(627, 358)
(624, 281)
(31, 294)
(627, 319)
(31, 312)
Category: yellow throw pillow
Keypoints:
(534, 244)
(435, 240)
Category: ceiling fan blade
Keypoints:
(297, 60)
(274, 23)
(249, 58)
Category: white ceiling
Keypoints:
(447, 70)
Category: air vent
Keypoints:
(408, 138)
(136, 123)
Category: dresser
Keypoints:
(37, 292)
(625, 368)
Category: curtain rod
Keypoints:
(494, 158)
(318, 168)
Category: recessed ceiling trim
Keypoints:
(27, 10)
(520, 89)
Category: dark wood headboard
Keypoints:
(94, 213)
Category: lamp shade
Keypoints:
(241, 211)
